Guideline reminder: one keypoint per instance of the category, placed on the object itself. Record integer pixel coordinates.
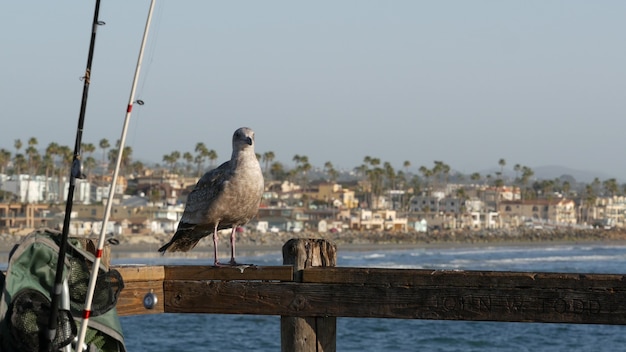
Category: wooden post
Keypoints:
(308, 334)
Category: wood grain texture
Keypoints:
(555, 299)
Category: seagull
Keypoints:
(225, 197)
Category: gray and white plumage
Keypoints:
(225, 197)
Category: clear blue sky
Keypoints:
(465, 82)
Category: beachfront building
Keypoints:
(15, 217)
(41, 189)
(425, 203)
(378, 220)
(551, 212)
(608, 211)
(283, 218)
(141, 214)
(484, 220)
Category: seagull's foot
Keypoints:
(240, 266)
(234, 264)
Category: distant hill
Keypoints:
(554, 171)
(548, 172)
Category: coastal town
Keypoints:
(371, 197)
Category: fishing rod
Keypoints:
(96, 264)
(75, 173)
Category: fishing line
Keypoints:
(75, 173)
(150, 50)
(96, 264)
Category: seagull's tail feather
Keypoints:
(183, 240)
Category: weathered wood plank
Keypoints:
(557, 304)
(141, 273)
(138, 281)
(263, 273)
(383, 293)
(312, 333)
(447, 278)
(130, 301)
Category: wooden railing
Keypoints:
(309, 293)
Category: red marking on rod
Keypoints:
(86, 314)
(130, 108)
(99, 253)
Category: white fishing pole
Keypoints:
(96, 265)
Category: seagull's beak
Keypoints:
(249, 140)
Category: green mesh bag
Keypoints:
(25, 301)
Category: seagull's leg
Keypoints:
(217, 262)
(232, 246)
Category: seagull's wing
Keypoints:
(205, 194)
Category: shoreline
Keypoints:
(255, 244)
(247, 249)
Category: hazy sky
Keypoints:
(465, 82)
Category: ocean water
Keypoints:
(197, 332)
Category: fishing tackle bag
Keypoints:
(25, 302)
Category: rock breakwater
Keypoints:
(443, 237)
(346, 238)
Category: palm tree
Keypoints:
(475, 177)
(566, 186)
(390, 174)
(88, 148)
(445, 169)
(169, 160)
(50, 164)
(33, 158)
(47, 165)
(18, 145)
(66, 156)
(126, 159)
(137, 167)
(375, 178)
(517, 168)
(361, 170)
(502, 163)
(437, 170)
(188, 162)
(212, 155)
(89, 164)
(610, 186)
(296, 159)
(19, 163)
(499, 183)
(175, 157)
(267, 158)
(32, 153)
(406, 166)
(416, 184)
(331, 172)
(104, 145)
(427, 173)
(302, 168)
(461, 194)
(589, 200)
(201, 154)
(527, 173)
(277, 170)
(596, 185)
(5, 158)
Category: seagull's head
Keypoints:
(243, 138)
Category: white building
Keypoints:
(39, 189)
